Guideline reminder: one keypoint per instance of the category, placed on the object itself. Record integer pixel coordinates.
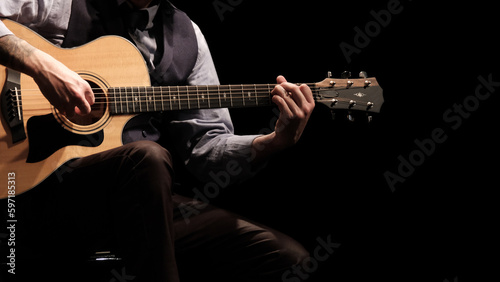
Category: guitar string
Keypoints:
(182, 89)
(183, 95)
(162, 97)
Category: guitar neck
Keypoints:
(128, 100)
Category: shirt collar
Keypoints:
(152, 11)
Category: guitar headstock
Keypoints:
(352, 94)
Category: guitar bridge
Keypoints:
(11, 106)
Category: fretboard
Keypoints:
(125, 100)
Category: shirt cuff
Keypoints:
(238, 157)
(4, 30)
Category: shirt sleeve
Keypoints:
(205, 138)
(4, 30)
(49, 18)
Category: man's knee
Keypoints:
(291, 252)
(151, 167)
(150, 154)
(282, 250)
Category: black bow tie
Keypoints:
(135, 19)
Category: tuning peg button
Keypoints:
(369, 118)
(363, 74)
(350, 117)
(346, 74)
(334, 102)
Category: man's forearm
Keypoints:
(15, 53)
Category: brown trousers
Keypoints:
(122, 200)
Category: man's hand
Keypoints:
(296, 104)
(64, 89)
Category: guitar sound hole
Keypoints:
(98, 109)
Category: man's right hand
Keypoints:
(64, 88)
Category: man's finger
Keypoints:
(280, 79)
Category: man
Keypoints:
(124, 196)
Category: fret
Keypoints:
(203, 99)
(135, 99)
(255, 94)
(162, 101)
(175, 104)
(178, 98)
(182, 97)
(120, 108)
(170, 97)
(263, 94)
(267, 98)
(250, 97)
(188, 97)
(213, 96)
(121, 100)
(231, 96)
(154, 98)
(235, 97)
(218, 95)
(243, 94)
(225, 94)
(143, 100)
(149, 99)
(198, 98)
(208, 97)
(128, 99)
(131, 101)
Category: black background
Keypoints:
(438, 225)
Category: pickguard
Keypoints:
(46, 136)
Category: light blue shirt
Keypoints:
(204, 139)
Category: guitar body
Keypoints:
(106, 62)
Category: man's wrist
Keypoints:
(265, 146)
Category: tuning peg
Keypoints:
(363, 74)
(369, 118)
(350, 117)
(346, 74)
(329, 74)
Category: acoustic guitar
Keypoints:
(36, 139)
